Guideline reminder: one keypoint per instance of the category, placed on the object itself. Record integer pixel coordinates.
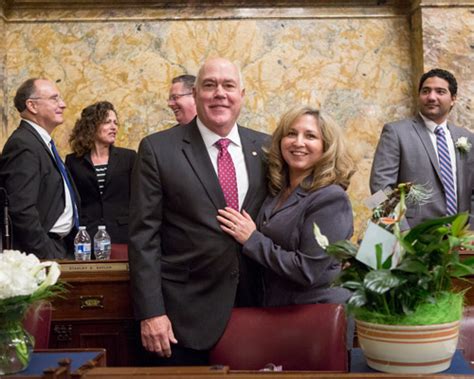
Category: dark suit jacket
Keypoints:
(35, 190)
(110, 208)
(297, 269)
(405, 153)
(181, 263)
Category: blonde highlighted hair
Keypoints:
(336, 165)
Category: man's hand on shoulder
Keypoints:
(157, 333)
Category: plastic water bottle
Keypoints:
(82, 245)
(102, 244)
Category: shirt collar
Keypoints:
(210, 138)
(431, 125)
(40, 130)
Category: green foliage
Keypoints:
(446, 307)
(21, 303)
(420, 281)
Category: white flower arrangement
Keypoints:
(463, 145)
(25, 280)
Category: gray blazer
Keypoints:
(297, 269)
(181, 262)
(405, 153)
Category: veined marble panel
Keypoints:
(358, 71)
(448, 39)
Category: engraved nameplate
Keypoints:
(88, 267)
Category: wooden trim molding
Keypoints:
(129, 10)
(17, 4)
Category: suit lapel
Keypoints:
(33, 132)
(423, 133)
(199, 160)
(295, 197)
(455, 134)
(253, 164)
(111, 165)
(91, 173)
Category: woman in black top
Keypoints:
(101, 171)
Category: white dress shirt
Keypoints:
(65, 222)
(235, 151)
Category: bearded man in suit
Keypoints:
(42, 198)
(186, 273)
(411, 150)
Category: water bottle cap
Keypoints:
(101, 227)
(82, 228)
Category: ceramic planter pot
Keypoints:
(408, 349)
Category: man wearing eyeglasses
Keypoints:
(42, 198)
(181, 100)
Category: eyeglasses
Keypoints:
(56, 99)
(177, 96)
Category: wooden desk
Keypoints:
(97, 312)
(199, 373)
(359, 369)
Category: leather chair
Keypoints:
(38, 323)
(296, 337)
(119, 251)
(466, 334)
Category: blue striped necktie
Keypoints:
(65, 176)
(446, 171)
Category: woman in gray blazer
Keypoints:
(309, 168)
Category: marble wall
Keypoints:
(358, 63)
(448, 40)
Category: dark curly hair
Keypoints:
(83, 134)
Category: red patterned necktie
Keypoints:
(226, 174)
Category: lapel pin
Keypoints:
(254, 153)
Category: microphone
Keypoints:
(6, 240)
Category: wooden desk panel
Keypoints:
(97, 311)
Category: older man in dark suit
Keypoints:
(42, 197)
(186, 273)
(430, 151)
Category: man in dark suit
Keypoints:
(408, 151)
(181, 99)
(186, 273)
(43, 203)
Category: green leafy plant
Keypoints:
(412, 290)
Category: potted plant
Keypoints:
(406, 310)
